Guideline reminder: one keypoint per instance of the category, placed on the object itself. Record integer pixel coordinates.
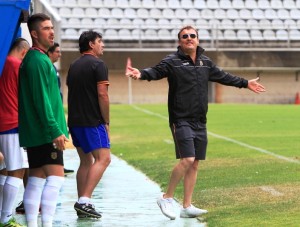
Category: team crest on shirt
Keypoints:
(53, 155)
(201, 63)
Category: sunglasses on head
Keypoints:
(192, 36)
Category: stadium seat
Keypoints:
(212, 4)
(180, 13)
(138, 22)
(298, 4)
(251, 4)
(84, 3)
(130, 13)
(290, 24)
(258, 14)
(78, 12)
(289, 4)
(91, 12)
(229, 34)
(148, 4)
(240, 24)
(142, 13)
(217, 35)
(163, 23)
(87, 22)
(294, 34)
(214, 23)
(225, 4)
(226, 24)
(57, 3)
(193, 13)
(109, 3)
(124, 34)
(70, 33)
(99, 22)
(200, 4)
(135, 4)
(136, 34)
(164, 34)
(277, 24)
(265, 24)
(242, 35)
(96, 3)
(282, 34)
(104, 12)
(204, 34)
(269, 35)
(298, 23)
(245, 14)
(220, 14)
(150, 34)
(112, 23)
(168, 13)
(237, 4)
(295, 14)
(150, 23)
(253, 24)
(111, 34)
(276, 4)
(271, 14)
(175, 23)
(232, 14)
(161, 4)
(202, 23)
(126, 23)
(283, 14)
(188, 21)
(71, 3)
(207, 14)
(117, 13)
(256, 35)
(174, 4)
(122, 3)
(73, 22)
(65, 11)
(155, 13)
(186, 4)
(263, 4)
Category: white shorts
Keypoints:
(15, 157)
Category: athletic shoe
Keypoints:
(191, 212)
(87, 209)
(11, 223)
(68, 171)
(82, 215)
(20, 208)
(166, 206)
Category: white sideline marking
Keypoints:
(168, 141)
(227, 139)
(271, 190)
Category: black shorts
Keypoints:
(44, 155)
(190, 139)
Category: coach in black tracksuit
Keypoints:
(188, 72)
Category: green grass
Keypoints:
(230, 181)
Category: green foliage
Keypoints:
(239, 186)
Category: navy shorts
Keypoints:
(190, 139)
(44, 154)
(90, 138)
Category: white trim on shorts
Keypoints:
(15, 157)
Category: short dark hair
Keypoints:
(19, 44)
(85, 38)
(52, 48)
(188, 27)
(35, 19)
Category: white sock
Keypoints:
(84, 200)
(10, 192)
(2, 182)
(32, 200)
(49, 198)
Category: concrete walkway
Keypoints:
(125, 196)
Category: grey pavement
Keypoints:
(125, 196)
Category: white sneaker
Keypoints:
(191, 212)
(167, 208)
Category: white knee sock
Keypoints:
(2, 182)
(49, 198)
(32, 200)
(10, 192)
